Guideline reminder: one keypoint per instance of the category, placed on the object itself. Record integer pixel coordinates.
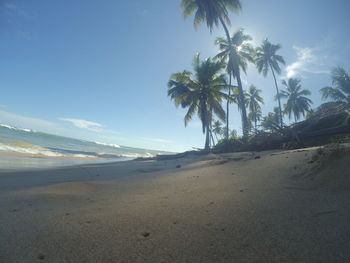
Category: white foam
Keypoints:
(108, 144)
(28, 149)
(15, 128)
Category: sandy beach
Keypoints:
(275, 206)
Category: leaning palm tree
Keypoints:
(215, 13)
(237, 52)
(266, 60)
(297, 103)
(201, 92)
(341, 90)
(254, 100)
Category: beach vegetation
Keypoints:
(236, 52)
(215, 13)
(297, 103)
(340, 91)
(267, 59)
(254, 102)
(218, 130)
(200, 92)
(192, 91)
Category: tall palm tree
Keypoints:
(254, 100)
(266, 60)
(341, 89)
(215, 13)
(297, 103)
(237, 52)
(201, 92)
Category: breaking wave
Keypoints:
(108, 144)
(15, 128)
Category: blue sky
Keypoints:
(98, 70)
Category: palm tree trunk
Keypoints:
(243, 109)
(225, 29)
(240, 89)
(255, 119)
(207, 138)
(212, 139)
(228, 106)
(211, 133)
(256, 130)
(278, 96)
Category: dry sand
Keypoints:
(277, 206)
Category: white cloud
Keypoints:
(307, 62)
(83, 124)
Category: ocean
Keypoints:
(27, 149)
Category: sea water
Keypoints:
(24, 149)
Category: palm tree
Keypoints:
(236, 53)
(215, 13)
(297, 103)
(341, 89)
(217, 129)
(254, 100)
(233, 135)
(211, 12)
(201, 92)
(271, 121)
(267, 59)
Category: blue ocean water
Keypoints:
(24, 148)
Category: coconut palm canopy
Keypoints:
(236, 52)
(297, 102)
(200, 92)
(266, 60)
(210, 12)
(266, 57)
(341, 86)
(254, 102)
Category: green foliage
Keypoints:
(267, 59)
(210, 12)
(254, 100)
(341, 86)
(234, 136)
(271, 121)
(200, 92)
(297, 102)
(218, 130)
(309, 114)
(236, 52)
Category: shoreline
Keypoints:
(273, 206)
